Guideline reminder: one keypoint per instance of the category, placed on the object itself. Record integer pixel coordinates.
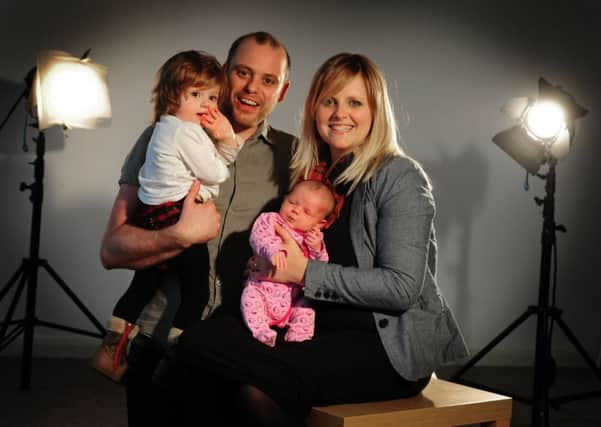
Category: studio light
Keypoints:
(72, 93)
(543, 133)
(544, 121)
(543, 127)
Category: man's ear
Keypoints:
(284, 91)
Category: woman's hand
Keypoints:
(262, 269)
(279, 260)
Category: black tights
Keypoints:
(257, 409)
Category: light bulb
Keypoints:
(545, 120)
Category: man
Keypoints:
(258, 69)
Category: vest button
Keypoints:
(382, 323)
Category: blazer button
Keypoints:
(382, 323)
(326, 294)
(318, 294)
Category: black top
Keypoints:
(337, 239)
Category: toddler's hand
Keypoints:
(219, 127)
(279, 260)
(314, 239)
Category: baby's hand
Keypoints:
(219, 127)
(314, 239)
(279, 260)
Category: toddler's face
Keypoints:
(196, 101)
(303, 209)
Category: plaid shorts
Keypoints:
(158, 216)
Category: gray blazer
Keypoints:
(394, 241)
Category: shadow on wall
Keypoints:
(460, 181)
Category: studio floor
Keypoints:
(68, 393)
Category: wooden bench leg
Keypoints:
(497, 423)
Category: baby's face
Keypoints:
(303, 209)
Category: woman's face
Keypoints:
(344, 119)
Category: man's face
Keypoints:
(256, 83)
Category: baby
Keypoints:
(304, 213)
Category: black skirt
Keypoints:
(339, 365)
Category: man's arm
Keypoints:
(127, 246)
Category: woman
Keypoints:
(382, 326)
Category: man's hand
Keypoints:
(198, 222)
(127, 246)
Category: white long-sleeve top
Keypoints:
(178, 153)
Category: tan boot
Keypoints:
(110, 358)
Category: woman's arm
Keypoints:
(128, 246)
(404, 214)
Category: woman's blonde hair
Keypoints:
(382, 140)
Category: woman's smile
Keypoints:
(344, 119)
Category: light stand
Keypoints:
(546, 314)
(27, 274)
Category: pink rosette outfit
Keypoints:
(265, 304)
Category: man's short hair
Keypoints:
(261, 37)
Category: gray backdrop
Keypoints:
(449, 65)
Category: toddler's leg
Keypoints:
(142, 288)
(194, 287)
(109, 358)
(255, 315)
(301, 324)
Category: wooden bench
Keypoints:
(441, 404)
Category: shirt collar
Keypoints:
(262, 132)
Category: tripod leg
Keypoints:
(29, 324)
(530, 311)
(13, 304)
(589, 360)
(543, 372)
(73, 297)
(12, 281)
(11, 336)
